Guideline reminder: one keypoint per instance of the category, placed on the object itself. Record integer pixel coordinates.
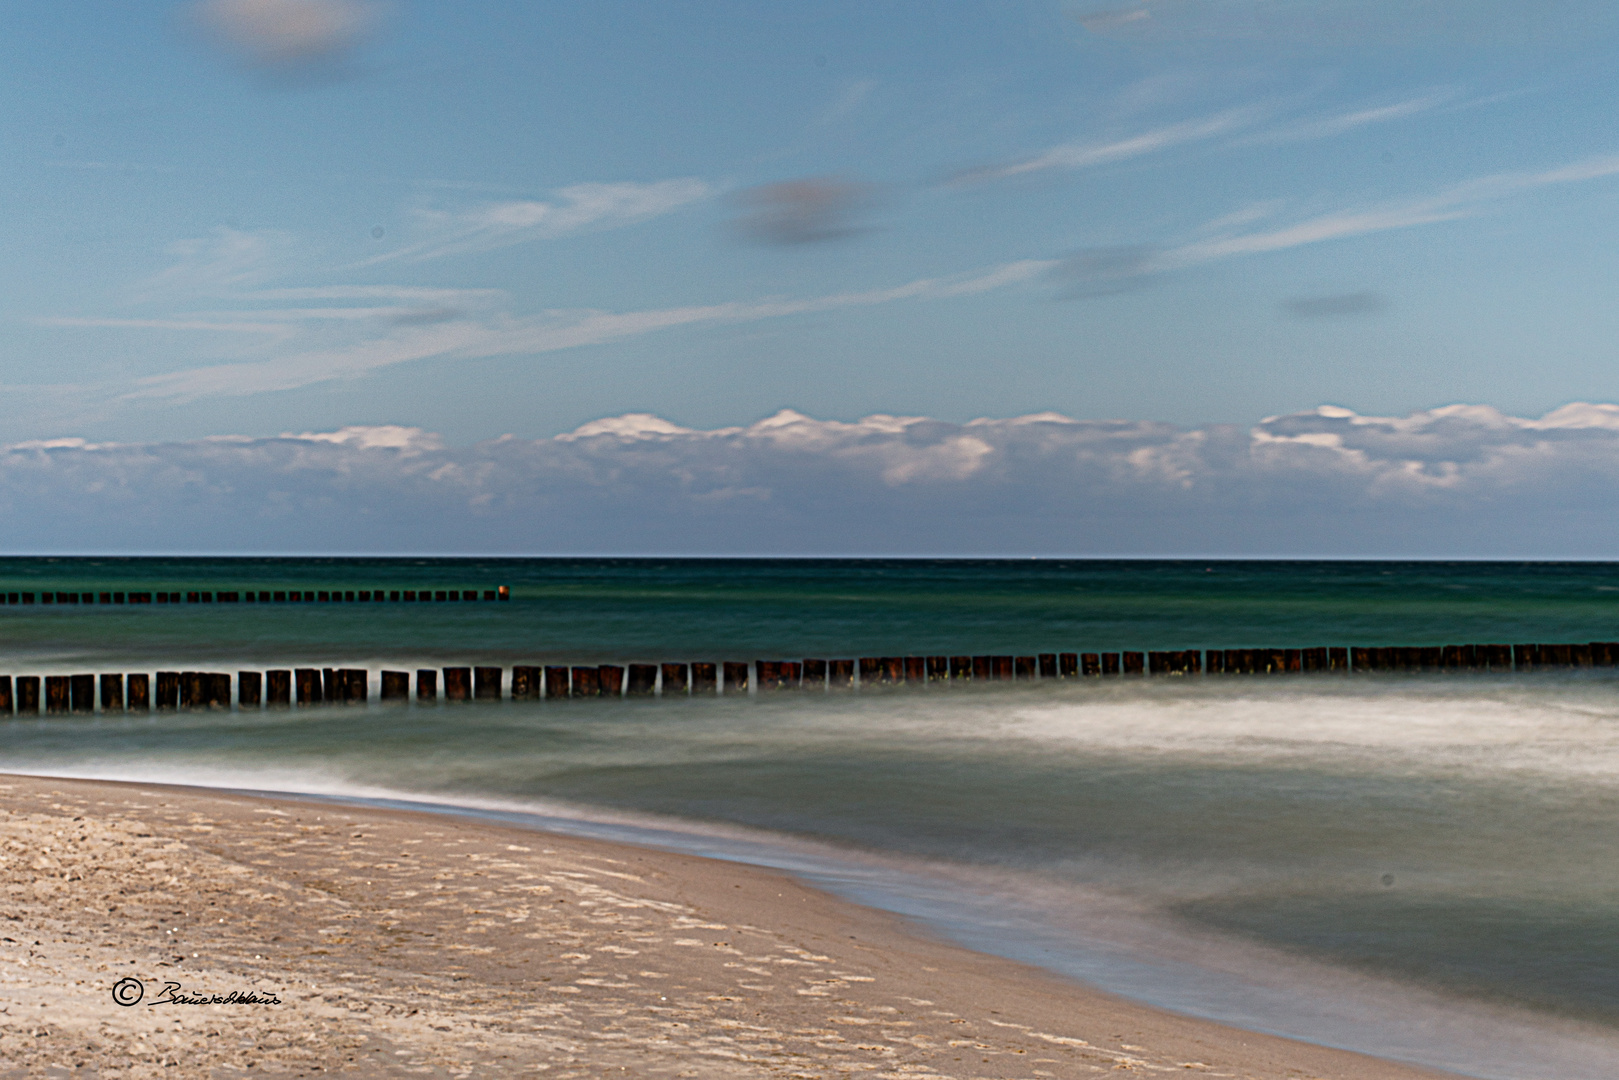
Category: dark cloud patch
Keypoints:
(426, 316)
(1341, 306)
(811, 210)
(1104, 271)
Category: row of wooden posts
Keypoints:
(264, 596)
(316, 686)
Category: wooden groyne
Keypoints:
(262, 596)
(286, 688)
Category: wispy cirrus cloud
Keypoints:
(1327, 127)
(1461, 200)
(1255, 230)
(576, 208)
(469, 336)
(1072, 156)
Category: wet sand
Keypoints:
(408, 944)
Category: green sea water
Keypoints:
(617, 609)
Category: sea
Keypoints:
(1421, 866)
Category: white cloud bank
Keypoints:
(1457, 481)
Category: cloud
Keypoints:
(1334, 307)
(288, 34)
(412, 335)
(577, 208)
(1104, 271)
(1332, 126)
(1463, 480)
(1084, 155)
(810, 210)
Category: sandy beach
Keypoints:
(396, 943)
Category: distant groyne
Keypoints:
(256, 596)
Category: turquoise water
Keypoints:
(1447, 836)
(616, 609)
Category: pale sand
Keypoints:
(411, 944)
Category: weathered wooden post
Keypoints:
(1090, 664)
(526, 682)
(1132, 663)
(216, 685)
(1603, 653)
(250, 689)
(556, 681)
(357, 686)
(56, 693)
(28, 695)
(82, 693)
(1068, 665)
(1579, 656)
(792, 672)
(840, 674)
(938, 668)
(814, 674)
(1521, 657)
(736, 677)
(586, 682)
(916, 669)
(140, 693)
(486, 683)
(1110, 663)
(961, 667)
(676, 679)
(112, 693)
(983, 668)
(1214, 661)
(704, 677)
(328, 686)
(427, 685)
(395, 686)
(1048, 665)
(1001, 667)
(457, 683)
(768, 673)
(277, 688)
(1429, 657)
(190, 689)
(894, 669)
(504, 592)
(7, 706)
(1024, 667)
(610, 677)
(871, 671)
(309, 685)
(1292, 660)
(1157, 663)
(642, 680)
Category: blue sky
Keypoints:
(245, 218)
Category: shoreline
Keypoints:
(402, 940)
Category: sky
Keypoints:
(1026, 276)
